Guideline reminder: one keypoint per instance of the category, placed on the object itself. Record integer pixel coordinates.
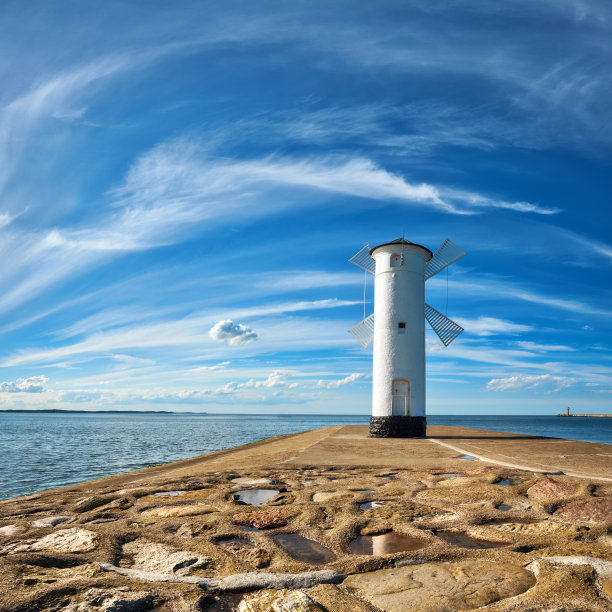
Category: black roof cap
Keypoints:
(405, 242)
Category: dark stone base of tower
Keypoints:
(398, 427)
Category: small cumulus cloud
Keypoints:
(334, 384)
(515, 383)
(34, 384)
(232, 333)
(278, 378)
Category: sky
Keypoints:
(182, 185)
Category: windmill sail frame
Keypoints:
(363, 332)
(363, 260)
(447, 254)
(446, 329)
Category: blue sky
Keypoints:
(181, 185)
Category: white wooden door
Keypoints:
(401, 397)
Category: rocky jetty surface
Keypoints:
(325, 520)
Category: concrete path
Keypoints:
(350, 446)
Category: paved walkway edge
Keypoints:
(514, 465)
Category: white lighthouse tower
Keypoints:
(397, 329)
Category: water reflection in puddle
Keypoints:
(168, 493)
(363, 491)
(303, 549)
(450, 475)
(463, 540)
(385, 544)
(233, 540)
(503, 507)
(255, 497)
(372, 504)
(247, 528)
(504, 483)
(468, 457)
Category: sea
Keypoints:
(47, 450)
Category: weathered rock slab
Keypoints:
(439, 587)
(102, 601)
(73, 540)
(268, 519)
(596, 511)
(279, 601)
(550, 490)
(155, 557)
(10, 530)
(34, 574)
(50, 521)
(252, 481)
(184, 510)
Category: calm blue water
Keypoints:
(42, 451)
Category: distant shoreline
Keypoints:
(55, 410)
(585, 415)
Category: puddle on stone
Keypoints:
(468, 457)
(247, 528)
(168, 493)
(450, 475)
(363, 491)
(233, 540)
(303, 549)
(504, 483)
(385, 544)
(372, 504)
(503, 507)
(255, 497)
(463, 540)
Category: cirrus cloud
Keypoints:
(529, 381)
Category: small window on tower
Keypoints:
(401, 327)
(396, 261)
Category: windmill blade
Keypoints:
(364, 331)
(446, 329)
(363, 260)
(447, 254)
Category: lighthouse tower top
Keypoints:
(401, 244)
